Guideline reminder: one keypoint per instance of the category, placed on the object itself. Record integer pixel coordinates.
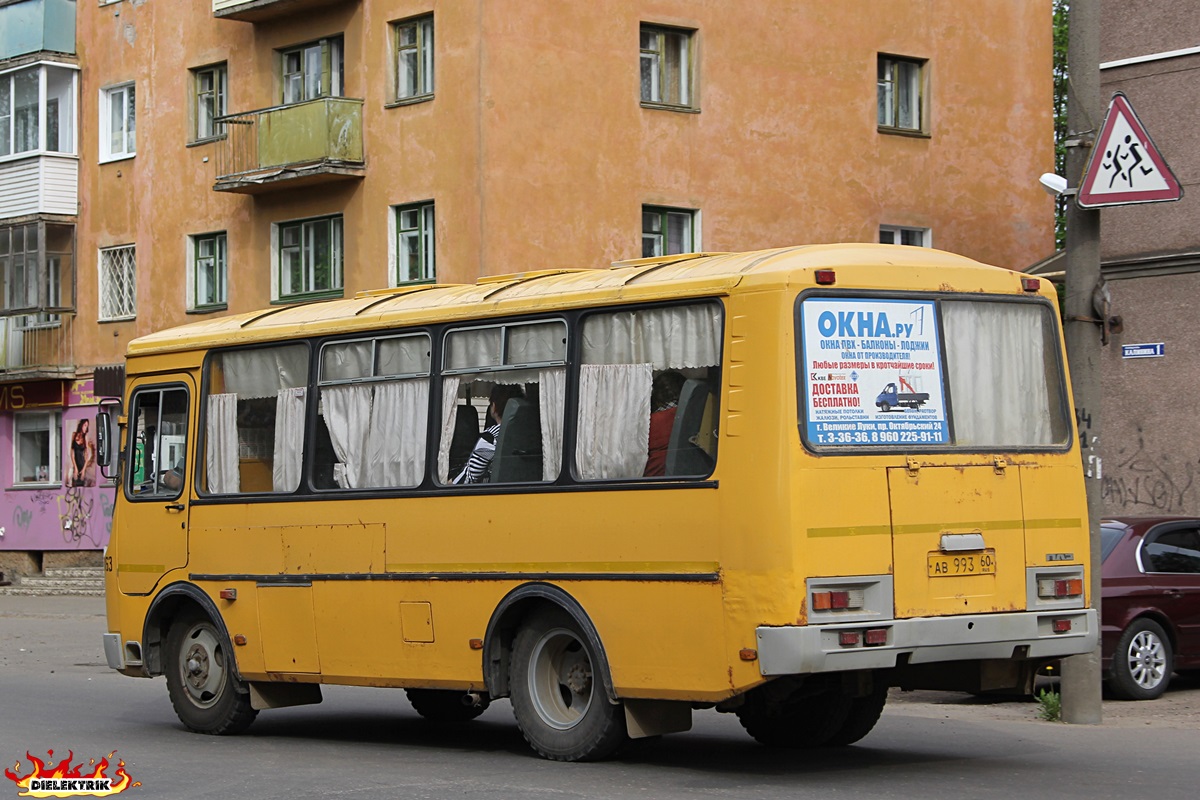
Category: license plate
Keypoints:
(957, 565)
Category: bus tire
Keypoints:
(797, 722)
(864, 712)
(445, 706)
(558, 700)
(205, 691)
(1142, 662)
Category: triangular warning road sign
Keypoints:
(1125, 166)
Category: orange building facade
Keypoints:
(234, 155)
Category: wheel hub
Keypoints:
(197, 666)
(578, 679)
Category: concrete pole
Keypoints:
(1085, 111)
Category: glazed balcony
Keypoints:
(303, 144)
(266, 10)
(36, 26)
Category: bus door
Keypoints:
(152, 527)
(958, 539)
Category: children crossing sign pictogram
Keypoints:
(1125, 166)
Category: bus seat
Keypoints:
(684, 456)
(464, 437)
(519, 447)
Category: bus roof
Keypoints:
(665, 277)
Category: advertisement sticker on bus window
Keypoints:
(872, 372)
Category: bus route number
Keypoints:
(954, 565)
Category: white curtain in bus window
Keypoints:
(552, 401)
(378, 428)
(1003, 374)
(397, 432)
(670, 355)
(289, 439)
(449, 420)
(221, 458)
(269, 421)
(614, 430)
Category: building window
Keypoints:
(414, 243)
(667, 231)
(414, 58)
(37, 110)
(118, 126)
(310, 257)
(312, 70)
(37, 271)
(211, 84)
(118, 283)
(666, 66)
(36, 437)
(900, 102)
(893, 234)
(208, 272)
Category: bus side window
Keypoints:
(647, 393)
(158, 444)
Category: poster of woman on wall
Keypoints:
(81, 466)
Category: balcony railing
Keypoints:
(317, 141)
(263, 10)
(37, 346)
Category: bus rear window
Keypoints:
(928, 373)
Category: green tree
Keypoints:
(1061, 78)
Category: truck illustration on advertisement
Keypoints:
(903, 396)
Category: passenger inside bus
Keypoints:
(479, 465)
(664, 400)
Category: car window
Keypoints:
(1110, 535)
(1173, 551)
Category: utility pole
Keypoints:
(1081, 674)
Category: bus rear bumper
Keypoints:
(1019, 635)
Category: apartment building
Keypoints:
(239, 155)
(1150, 259)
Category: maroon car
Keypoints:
(1151, 602)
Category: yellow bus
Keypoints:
(773, 483)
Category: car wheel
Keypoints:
(800, 722)
(1142, 662)
(884, 407)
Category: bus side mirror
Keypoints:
(104, 438)
(108, 436)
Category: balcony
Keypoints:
(37, 26)
(315, 142)
(264, 10)
(37, 346)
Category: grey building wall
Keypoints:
(1151, 259)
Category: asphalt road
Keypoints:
(57, 694)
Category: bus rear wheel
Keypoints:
(206, 694)
(439, 705)
(798, 722)
(558, 696)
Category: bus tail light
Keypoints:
(1060, 587)
(1062, 625)
(825, 277)
(876, 637)
(1031, 284)
(848, 638)
(837, 599)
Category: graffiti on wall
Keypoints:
(1145, 482)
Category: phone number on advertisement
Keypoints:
(878, 437)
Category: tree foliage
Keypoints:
(1061, 8)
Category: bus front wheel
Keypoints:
(557, 696)
(208, 697)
